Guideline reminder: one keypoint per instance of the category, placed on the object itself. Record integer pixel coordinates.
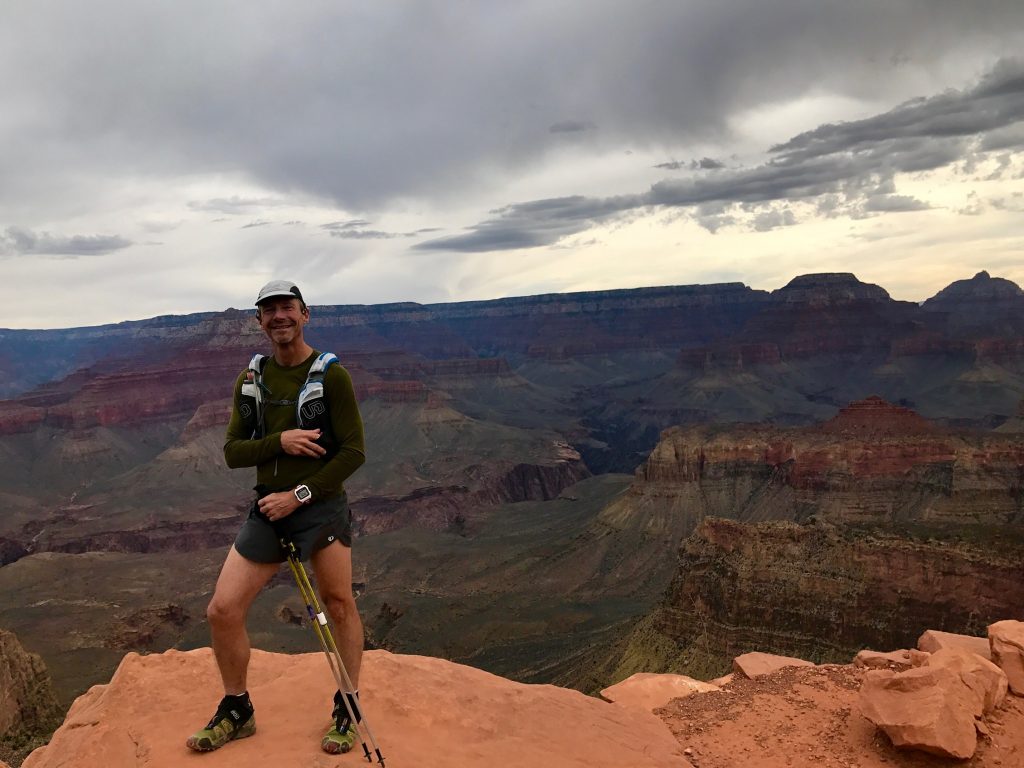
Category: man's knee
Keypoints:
(223, 613)
(341, 607)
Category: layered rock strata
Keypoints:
(27, 703)
(819, 592)
(443, 507)
(874, 462)
(986, 303)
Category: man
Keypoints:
(300, 475)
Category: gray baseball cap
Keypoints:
(279, 288)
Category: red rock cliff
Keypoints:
(819, 592)
(27, 704)
(873, 462)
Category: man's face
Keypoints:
(282, 319)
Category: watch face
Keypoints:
(302, 493)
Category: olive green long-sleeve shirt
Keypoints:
(279, 471)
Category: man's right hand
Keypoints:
(302, 442)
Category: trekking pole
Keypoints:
(323, 632)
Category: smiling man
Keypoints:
(304, 443)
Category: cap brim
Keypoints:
(274, 295)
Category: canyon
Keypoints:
(562, 488)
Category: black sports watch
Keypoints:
(303, 494)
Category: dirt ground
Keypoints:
(807, 717)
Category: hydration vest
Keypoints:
(310, 405)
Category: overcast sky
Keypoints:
(160, 157)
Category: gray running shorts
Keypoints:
(311, 528)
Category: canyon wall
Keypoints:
(28, 707)
(839, 537)
(823, 592)
(874, 462)
(110, 441)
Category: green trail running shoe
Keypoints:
(231, 721)
(342, 736)
(336, 742)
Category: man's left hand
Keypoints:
(277, 506)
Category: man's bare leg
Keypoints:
(333, 568)
(239, 582)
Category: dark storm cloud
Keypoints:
(527, 225)
(25, 242)
(571, 126)
(1011, 137)
(707, 164)
(704, 164)
(995, 103)
(353, 103)
(846, 166)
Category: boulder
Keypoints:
(933, 708)
(723, 680)
(755, 663)
(1006, 639)
(882, 660)
(649, 691)
(985, 681)
(925, 708)
(933, 640)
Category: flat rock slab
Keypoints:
(933, 640)
(882, 660)
(649, 691)
(1006, 639)
(423, 712)
(755, 663)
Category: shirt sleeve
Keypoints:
(239, 450)
(347, 425)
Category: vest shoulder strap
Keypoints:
(250, 406)
(323, 361)
(311, 406)
(258, 363)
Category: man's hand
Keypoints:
(279, 505)
(302, 442)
